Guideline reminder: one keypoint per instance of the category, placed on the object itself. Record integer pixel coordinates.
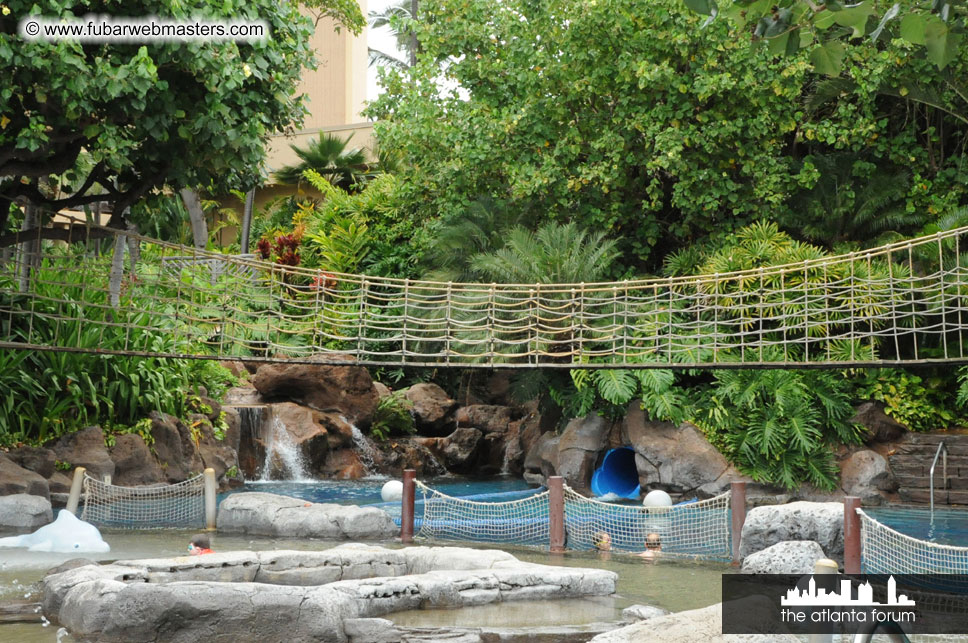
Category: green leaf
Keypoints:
(941, 42)
(778, 44)
(825, 20)
(828, 58)
(705, 7)
(913, 26)
(616, 386)
(855, 17)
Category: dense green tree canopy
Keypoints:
(628, 117)
(124, 118)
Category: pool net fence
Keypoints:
(888, 551)
(184, 504)
(698, 529)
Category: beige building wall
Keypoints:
(335, 97)
(335, 93)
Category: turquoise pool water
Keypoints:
(366, 491)
(948, 527)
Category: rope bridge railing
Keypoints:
(899, 304)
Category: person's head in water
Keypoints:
(653, 542)
(199, 544)
(603, 541)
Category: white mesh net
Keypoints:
(886, 551)
(167, 506)
(698, 529)
(523, 522)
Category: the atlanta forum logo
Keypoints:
(818, 606)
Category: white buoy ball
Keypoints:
(393, 491)
(657, 498)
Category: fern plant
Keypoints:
(778, 426)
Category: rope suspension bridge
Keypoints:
(901, 304)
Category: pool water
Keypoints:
(948, 527)
(366, 491)
(672, 584)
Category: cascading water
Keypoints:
(284, 460)
(363, 448)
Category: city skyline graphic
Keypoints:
(865, 595)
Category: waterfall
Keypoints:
(363, 448)
(284, 460)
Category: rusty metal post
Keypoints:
(556, 513)
(851, 535)
(737, 502)
(406, 510)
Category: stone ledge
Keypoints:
(164, 600)
(269, 514)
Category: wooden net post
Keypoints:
(406, 510)
(556, 513)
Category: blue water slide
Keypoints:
(617, 474)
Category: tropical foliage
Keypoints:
(628, 118)
(330, 158)
(125, 120)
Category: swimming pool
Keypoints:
(366, 491)
(949, 526)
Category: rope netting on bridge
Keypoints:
(898, 304)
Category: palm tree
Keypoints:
(845, 206)
(330, 158)
(401, 10)
(555, 253)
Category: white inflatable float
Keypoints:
(65, 535)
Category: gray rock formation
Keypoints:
(165, 600)
(489, 418)
(579, 448)
(878, 425)
(24, 512)
(642, 612)
(866, 474)
(268, 514)
(690, 626)
(459, 450)
(677, 459)
(345, 389)
(433, 409)
(822, 522)
(134, 464)
(14, 479)
(86, 449)
(787, 557)
(37, 459)
(542, 460)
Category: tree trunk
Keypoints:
(117, 270)
(247, 221)
(197, 217)
(29, 248)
